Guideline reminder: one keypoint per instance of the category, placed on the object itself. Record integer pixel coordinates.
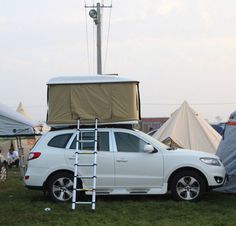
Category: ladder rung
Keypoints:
(85, 203)
(85, 189)
(86, 177)
(85, 164)
(86, 152)
(87, 141)
(87, 130)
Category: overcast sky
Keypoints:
(178, 50)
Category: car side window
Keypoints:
(126, 142)
(60, 141)
(102, 145)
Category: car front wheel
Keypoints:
(188, 186)
(60, 187)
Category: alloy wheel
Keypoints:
(62, 189)
(188, 188)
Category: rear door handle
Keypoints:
(72, 157)
(122, 160)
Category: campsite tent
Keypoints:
(227, 153)
(110, 99)
(187, 129)
(21, 109)
(13, 123)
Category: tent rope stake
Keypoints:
(80, 150)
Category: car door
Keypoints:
(105, 159)
(134, 167)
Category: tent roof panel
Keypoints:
(89, 79)
(13, 123)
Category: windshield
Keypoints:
(153, 141)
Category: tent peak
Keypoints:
(21, 109)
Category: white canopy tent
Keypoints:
(13, 123)
(187, 129)
(227, 153)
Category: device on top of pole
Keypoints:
(95, 14)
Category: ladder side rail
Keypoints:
(95, 166)
(76, 166)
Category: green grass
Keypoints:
(18, 206)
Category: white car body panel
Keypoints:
(136, 169)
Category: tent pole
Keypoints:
(21, 157)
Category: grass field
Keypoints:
(18, 206)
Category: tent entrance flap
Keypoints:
(110, 102)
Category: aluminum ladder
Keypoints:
(80, 142)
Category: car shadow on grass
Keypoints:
(108, 198)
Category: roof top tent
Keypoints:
(110, 99)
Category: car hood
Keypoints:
(195, 153)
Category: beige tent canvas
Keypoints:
(110, 99)
(187, 129)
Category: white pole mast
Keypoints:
(96, 15)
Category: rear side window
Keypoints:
(102, 144)
(60, 141)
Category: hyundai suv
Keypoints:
(128, 162)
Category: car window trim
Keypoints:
(132, 133)
(59, 135)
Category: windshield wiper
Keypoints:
(171, 148)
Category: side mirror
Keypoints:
(148, 148)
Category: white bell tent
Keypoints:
(187, 129)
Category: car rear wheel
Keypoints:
(188, 186)
(60, 187)
(3, 172)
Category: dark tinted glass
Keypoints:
(60, 141)
(126, 142)
(103, 141)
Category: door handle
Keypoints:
(72, 157)
(122, 160)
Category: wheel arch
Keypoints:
(186, 169)
(45, 184)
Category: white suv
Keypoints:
(128, 162)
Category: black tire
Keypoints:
(3, 172)
(60, 187)
(187, 186)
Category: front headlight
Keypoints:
(211, 161)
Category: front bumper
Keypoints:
(226, 179)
